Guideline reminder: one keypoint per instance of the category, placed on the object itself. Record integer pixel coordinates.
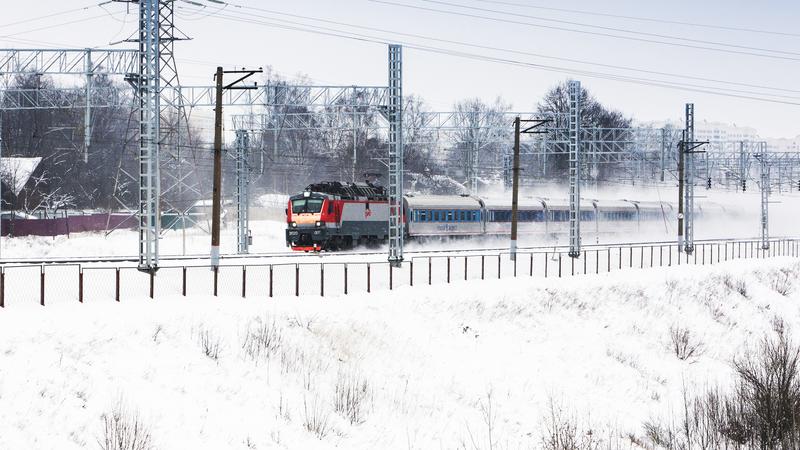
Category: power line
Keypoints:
(599, 27)
(643, 19)
(519, 52)
(594, 33)
(616, 77)
(34, 19)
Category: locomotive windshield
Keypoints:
(307, 205)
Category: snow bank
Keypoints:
(413, 368)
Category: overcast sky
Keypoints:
(223, 36)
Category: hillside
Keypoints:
(473, 365)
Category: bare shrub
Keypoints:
(210, 344)
(683, 344)
(262, 340)
(124, 430)
(315, 417)
(488, 416)
(781, 281)
(761, 412)
(769, 389)
(351, 396)
(561, 432)
(741, 288)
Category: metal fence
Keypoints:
(67, 283)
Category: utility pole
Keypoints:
(515, 192)
(216, 207)
(515, 174)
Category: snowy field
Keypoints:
(476, 365)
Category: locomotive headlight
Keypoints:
(319, 224)
(294, 224)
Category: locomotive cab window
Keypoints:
(310, 205)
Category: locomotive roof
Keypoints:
(349, 190)
(442, 201)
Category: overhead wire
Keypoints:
(643, 81)
(640, 18)
(600, 27)
(519, 52)
(593, 33)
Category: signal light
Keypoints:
(708, 184)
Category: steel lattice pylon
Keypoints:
(148, 89)
(689, 170)
(242, 194)
(574, 168)
(765, 191)
(395, 115)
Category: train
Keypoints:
(334, 215)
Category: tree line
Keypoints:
(346, 140)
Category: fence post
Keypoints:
(183, 281)
(322, 280)
(572, 263)
(297, 280)
(345, 279)
(270, 281)
(116, 295)
(559, 264)
(584, 262)
(369, 279)
(718, 252)
(430, 271)
(597, 261)
(216, 279)
(483, 266)
(448, 269)
(391, 277)
(609, 259)
(499, 265)
(411, 273)
(515, 266)
(153, 282)
(531, 274)
(80, 284)
(466, 268)
(641, 257)
(41, 286)
(545, 264)
(244, 281)
(2, 287)
(630, 257)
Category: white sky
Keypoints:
(443, 79)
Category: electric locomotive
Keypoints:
(334, 215)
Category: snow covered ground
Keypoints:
(475, 365)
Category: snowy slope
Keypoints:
(426, 362)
